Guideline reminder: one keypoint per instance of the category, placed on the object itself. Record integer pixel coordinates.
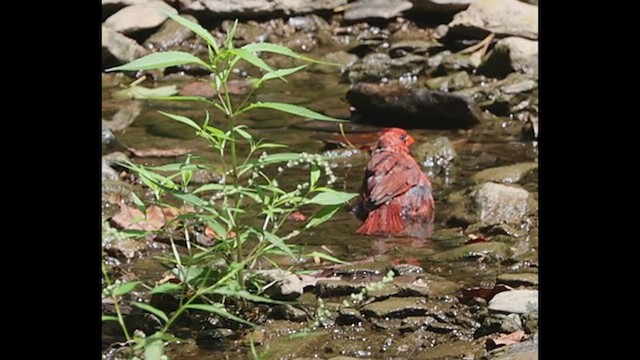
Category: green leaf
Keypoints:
(243, 133)
(314, 175)
(182, 119)
(281, 73)
(326, 257)
(155, 311)
(218, 310)
(177, 167)
(276, 241)
(210, 187)
(166, 288)
(270, 146)
(293, 109)
(160, 60)
(322, 215)
(246, 295)
(154, 346)
(125, 288)
(252, 59)
(138, 203)
(109, 318)
(282, 50)
(331, 197)
(140, 93)
(196, 28)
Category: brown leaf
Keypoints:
(131, 218)
(505, 339)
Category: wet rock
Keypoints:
(128, 111)
(456, 81)
(436, 156)
(506, 174)
(515, 301)
(251, 8)
(442, 328)
(342, 58)
(170, 34)
(407, 269)
(397, 308)
(489, 204)
(502, 17)
(376, 67)
(385, 9)
(248, 32)
(515, 95)
(198, 88)
(396, 105)
(119, 49)
(518, 279)
(108, 172)
(289, 312)
(480, 250)
(287, 286)
(308, 23)
(446, 62)
(440, 6)
(449, 237)
(300, 42)
(459, 349)
(530, 322)
(211, 339)
(330, 288)
(349, 316)
(139, 17)
(412, 46)
(509, 55)
(427, 285)
(511, 323)
(125, 249)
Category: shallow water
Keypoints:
(487, 145)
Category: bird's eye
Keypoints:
(403, 137)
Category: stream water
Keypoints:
(490, 144)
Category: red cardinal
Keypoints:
(396, 195)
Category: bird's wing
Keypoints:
(390, 174)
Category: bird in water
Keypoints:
(395, 199)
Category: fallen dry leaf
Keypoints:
(484, 293)
(131, 218)
(505, 339)
(476, 239)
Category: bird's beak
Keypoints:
(410, 140)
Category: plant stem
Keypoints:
(115, 303)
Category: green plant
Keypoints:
(245, 210)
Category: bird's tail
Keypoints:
(384, 220)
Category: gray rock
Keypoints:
(286, 285)
(496, 203)
(456, 81)
(396, 105)
(525, 350)
(505, 174)
(515, 301)
(108, 172)
(511, 54)
(518, 279)
(490, 249)
(437, 155)
(502, 17)
(139, 17)
(490, 204)
(412, 46)
(244, 8)
(349, 316)
(395, 307)
(511, 323)
(440, 6)
(447, 62)
(170, 34)
(426, 285)
(125, 249)
(311, 22)
(128, 111)
(385, 9)
(119, 47)
(289, 312)
(380, 67)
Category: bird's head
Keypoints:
(395, 138)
